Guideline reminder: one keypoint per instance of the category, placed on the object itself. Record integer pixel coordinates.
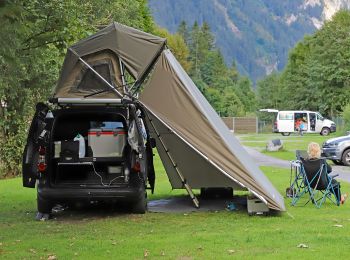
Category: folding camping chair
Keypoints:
(315, 181)
(300, 154)
(296, 177)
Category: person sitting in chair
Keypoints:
(314, 156)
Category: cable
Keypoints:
(105, 185)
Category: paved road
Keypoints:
(265, 160)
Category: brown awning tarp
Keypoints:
(204, 150)
(137, 51)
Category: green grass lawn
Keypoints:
(105, 234)
(290, 143)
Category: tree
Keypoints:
(244, 90)
(318, 70)
(34, 35)
(183, 31)
(269, 92)
(346, 116)
(177, 45)
(213, 68)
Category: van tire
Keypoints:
(285, 134)
(44, 206)
(346, 157)
(140, 206)
(325, 131)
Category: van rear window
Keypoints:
(285, 116)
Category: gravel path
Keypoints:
(265, 160)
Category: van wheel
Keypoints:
(346, 157)
(44, 206)
(325, 131)
(285, 134)
(140, 205)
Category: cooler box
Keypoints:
(107, 142)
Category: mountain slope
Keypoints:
(257, 34)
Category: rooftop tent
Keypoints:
(195, 146)
(106, 52)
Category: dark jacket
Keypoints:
(314, 164)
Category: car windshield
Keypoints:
(319, 117)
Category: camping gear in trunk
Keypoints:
(107, 142)
(69, 151)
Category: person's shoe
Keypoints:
(343, 198)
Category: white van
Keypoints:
(301, 121)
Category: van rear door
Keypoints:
(285, 121)
(31, 150)
(319, 122)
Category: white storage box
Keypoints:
(107, 142)
(256, 206)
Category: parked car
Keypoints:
(88, 150)
(337, 150)
(302, 121)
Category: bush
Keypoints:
(346, 117)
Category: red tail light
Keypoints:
(136, 167)
(41, 167)
(41, 160)
(42, 150)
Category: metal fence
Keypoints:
(242, 124)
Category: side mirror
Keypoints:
(152, 142)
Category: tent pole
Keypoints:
(183, 180)
(97, 74)
(122, 70)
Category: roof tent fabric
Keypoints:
(136, 49)
(175, 105)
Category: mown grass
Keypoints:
(105, 234)
(290, 143)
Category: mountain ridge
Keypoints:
(257, 34)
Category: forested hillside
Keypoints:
(257, 34)
(317, 75)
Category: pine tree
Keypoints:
(183, 31)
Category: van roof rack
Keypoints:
(85, 101)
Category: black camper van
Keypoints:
(88, 150)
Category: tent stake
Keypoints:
(183, 180)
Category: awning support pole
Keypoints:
(122, 73)
(183, 180)
(97, 74)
